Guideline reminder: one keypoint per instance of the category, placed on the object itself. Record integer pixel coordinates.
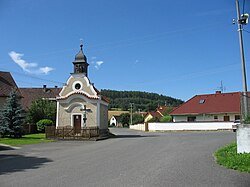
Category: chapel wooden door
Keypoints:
(77, 123)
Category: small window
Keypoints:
(226, 118)
(237, 117)
(202, 101)
(77, 86)
(215, 117)
(191, 118)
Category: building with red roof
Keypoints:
(7, 84)
(209, 107)
(32, 94)
(158, 113)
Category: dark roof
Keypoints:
(210, 104)
(7, 84)
(80, 57)
(32, 94)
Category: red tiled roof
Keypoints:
(7, 83)
(32, 94)
(161, 109)
(210, 103)
(99, 94)
(155, 114)
(165, 109)
(104, 98)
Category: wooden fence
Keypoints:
(69, 133)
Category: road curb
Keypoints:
(7, 147)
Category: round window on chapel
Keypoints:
(77, 86)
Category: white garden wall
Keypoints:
(140, 127)
(174, 126)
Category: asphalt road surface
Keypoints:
(133, 158)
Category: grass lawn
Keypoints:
(26, 139)
(228, 157)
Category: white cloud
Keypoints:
(99, 63)
(17, 58)
(28, 67)
(46, 69)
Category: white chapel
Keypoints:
(80, 104)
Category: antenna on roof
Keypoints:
(221, 88)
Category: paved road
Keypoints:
(132, 159)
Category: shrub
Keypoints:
(166, 118)
(43, 123)
(137, 118)
(124, 120)
(247, 120)
(41, 109)
(154, 119)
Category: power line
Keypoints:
(132, 41)
(34, 77)
(246, 31)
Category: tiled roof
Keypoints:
(155, 114)
(83, 93)
(7, 83)
(210, 104)
(164, 109)
(32, 94)
(75, 93)
(104, 98)
(161, 109)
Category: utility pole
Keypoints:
(240, 21)
(131, 113)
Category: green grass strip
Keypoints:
(227, 156)
(26, 139)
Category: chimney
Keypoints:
(218, 92)
(44, 87)
(56, 86)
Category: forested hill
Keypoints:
(143, 101)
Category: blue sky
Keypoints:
(175, 48)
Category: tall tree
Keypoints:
(12, 116)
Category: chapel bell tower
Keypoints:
(80, 63)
